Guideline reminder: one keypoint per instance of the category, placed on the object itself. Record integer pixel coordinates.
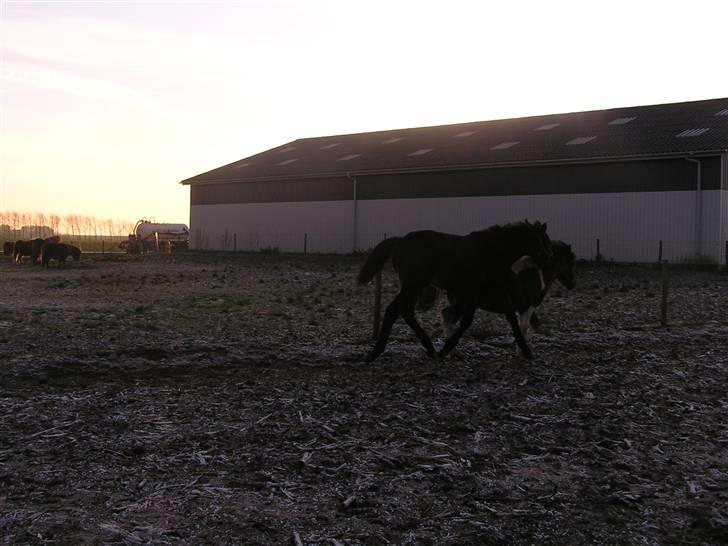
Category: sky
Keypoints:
(106, 106)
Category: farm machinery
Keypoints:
(151, 236)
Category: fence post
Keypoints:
(235, 242)
(599, 252)
(377, 304)
(102, 246)
(305, 243)
(659, 254)
(726, 256)
(665, 293)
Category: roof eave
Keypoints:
(462, 167)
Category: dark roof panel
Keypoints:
(664, 129)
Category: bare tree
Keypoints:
(55, 222)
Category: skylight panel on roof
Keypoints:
(287, 161)
(348, 157)
(722, 113)
(286, 150)
(421, 151)
(546, 127)
(580, 140)
(692, 132)
(504, 145)
(464, 134)
(393, 140)
(621, 121)
(243, 164)
(332, 145)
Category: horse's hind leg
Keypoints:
(408, 313)
(404, 306)
(465, 321)
(390, 315)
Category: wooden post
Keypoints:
(599, 252)
(377, 304)
(659, 254)
(235, 242)
(665, 293)
(726, 256)
(102, 246)
(305, 243)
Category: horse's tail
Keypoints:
(375, 260)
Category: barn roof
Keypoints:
(698, 127)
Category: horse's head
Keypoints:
(76, 253)
(563, 264)
(540, 250)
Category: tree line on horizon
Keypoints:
(23, 225)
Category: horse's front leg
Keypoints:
(512, 318)
(525, 320)
(466, 320)
(535, 322)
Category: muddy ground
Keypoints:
(216, 399)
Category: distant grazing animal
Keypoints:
(527, 291)
(465, 266)
(20, 249)
(8, 248)
(37, 245)
(59, 251)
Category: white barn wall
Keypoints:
(629, 225)
(724, 228)
(328, 225)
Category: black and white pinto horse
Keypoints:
(528, 289)
(470, 267)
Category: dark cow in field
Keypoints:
(59, 251)
(37, 246)
(20, 249)
(8, 248)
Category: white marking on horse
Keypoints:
(543, 283)
(524, 321)
(523, 263)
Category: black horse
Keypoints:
(464, 265)
(527, 291)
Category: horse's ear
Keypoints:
(543, 227)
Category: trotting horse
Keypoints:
(464, 265)
(527, 290)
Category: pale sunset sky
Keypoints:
(106, 106)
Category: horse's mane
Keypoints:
(502, 232)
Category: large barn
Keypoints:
(626, 177)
